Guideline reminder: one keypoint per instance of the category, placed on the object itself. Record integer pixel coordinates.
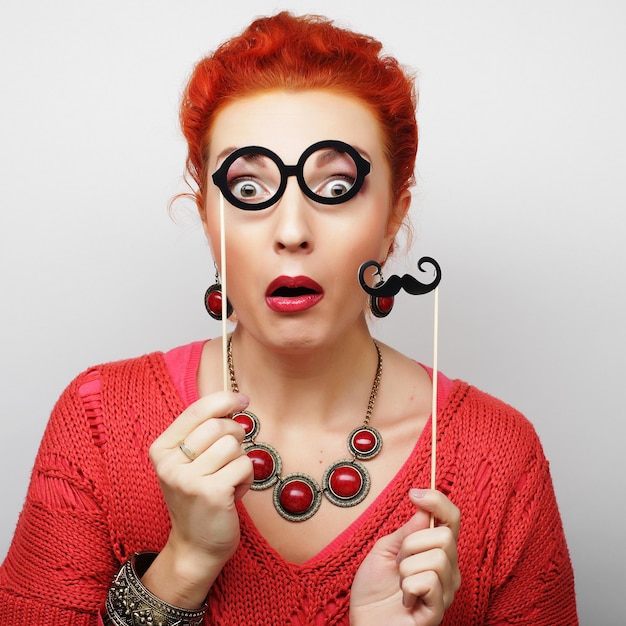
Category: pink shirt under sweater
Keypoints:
(183, 362)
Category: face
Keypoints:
(292, 265)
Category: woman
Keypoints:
(309, 135)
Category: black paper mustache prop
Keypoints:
(382, 294)
(390, 287)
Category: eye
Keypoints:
(336, 187)
(247, 190)
(330, 173)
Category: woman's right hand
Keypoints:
(200, 495)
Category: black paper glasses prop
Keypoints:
(254, 178)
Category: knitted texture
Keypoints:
(94, 500)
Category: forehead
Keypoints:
(289, 122)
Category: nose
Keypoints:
(293, 229)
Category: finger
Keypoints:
(424, 588)
(214, 405)
(438, 538)
(432, 501)
(218, 454)
(438, 561)
(209, 432)
(241, 474)
(391, 544)
(218, 487)
(428, 501)
(188, 480)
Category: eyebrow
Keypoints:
(328, 156)
(224, 153)
(230, 149)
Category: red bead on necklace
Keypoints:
(263, 463)
(297, 497)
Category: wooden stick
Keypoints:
(224, 294)
(433, 418)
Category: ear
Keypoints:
(203, 217)
(396, 217)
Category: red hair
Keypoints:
(298, 53)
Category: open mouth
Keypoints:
(291, 294)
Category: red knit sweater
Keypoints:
(94, 499)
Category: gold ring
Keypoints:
(190, 454)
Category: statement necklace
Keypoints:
(297, 496)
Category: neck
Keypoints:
(320, 385)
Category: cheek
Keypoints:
(247, 259)
(365, 235)
(239, 241)
(347, 254)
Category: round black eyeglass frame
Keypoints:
(220, 177)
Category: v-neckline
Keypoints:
(186, 384)
(351, 530)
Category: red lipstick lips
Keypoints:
(292, 294)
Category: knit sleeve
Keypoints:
(60, 561)
(533, 579)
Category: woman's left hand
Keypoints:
(410, 577)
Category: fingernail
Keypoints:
(417, 493)
(243, 399)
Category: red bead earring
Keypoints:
(213, 300)
(381, 306)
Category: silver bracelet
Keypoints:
(129, 602)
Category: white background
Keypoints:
(521, 198)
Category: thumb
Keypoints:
(392, 543)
